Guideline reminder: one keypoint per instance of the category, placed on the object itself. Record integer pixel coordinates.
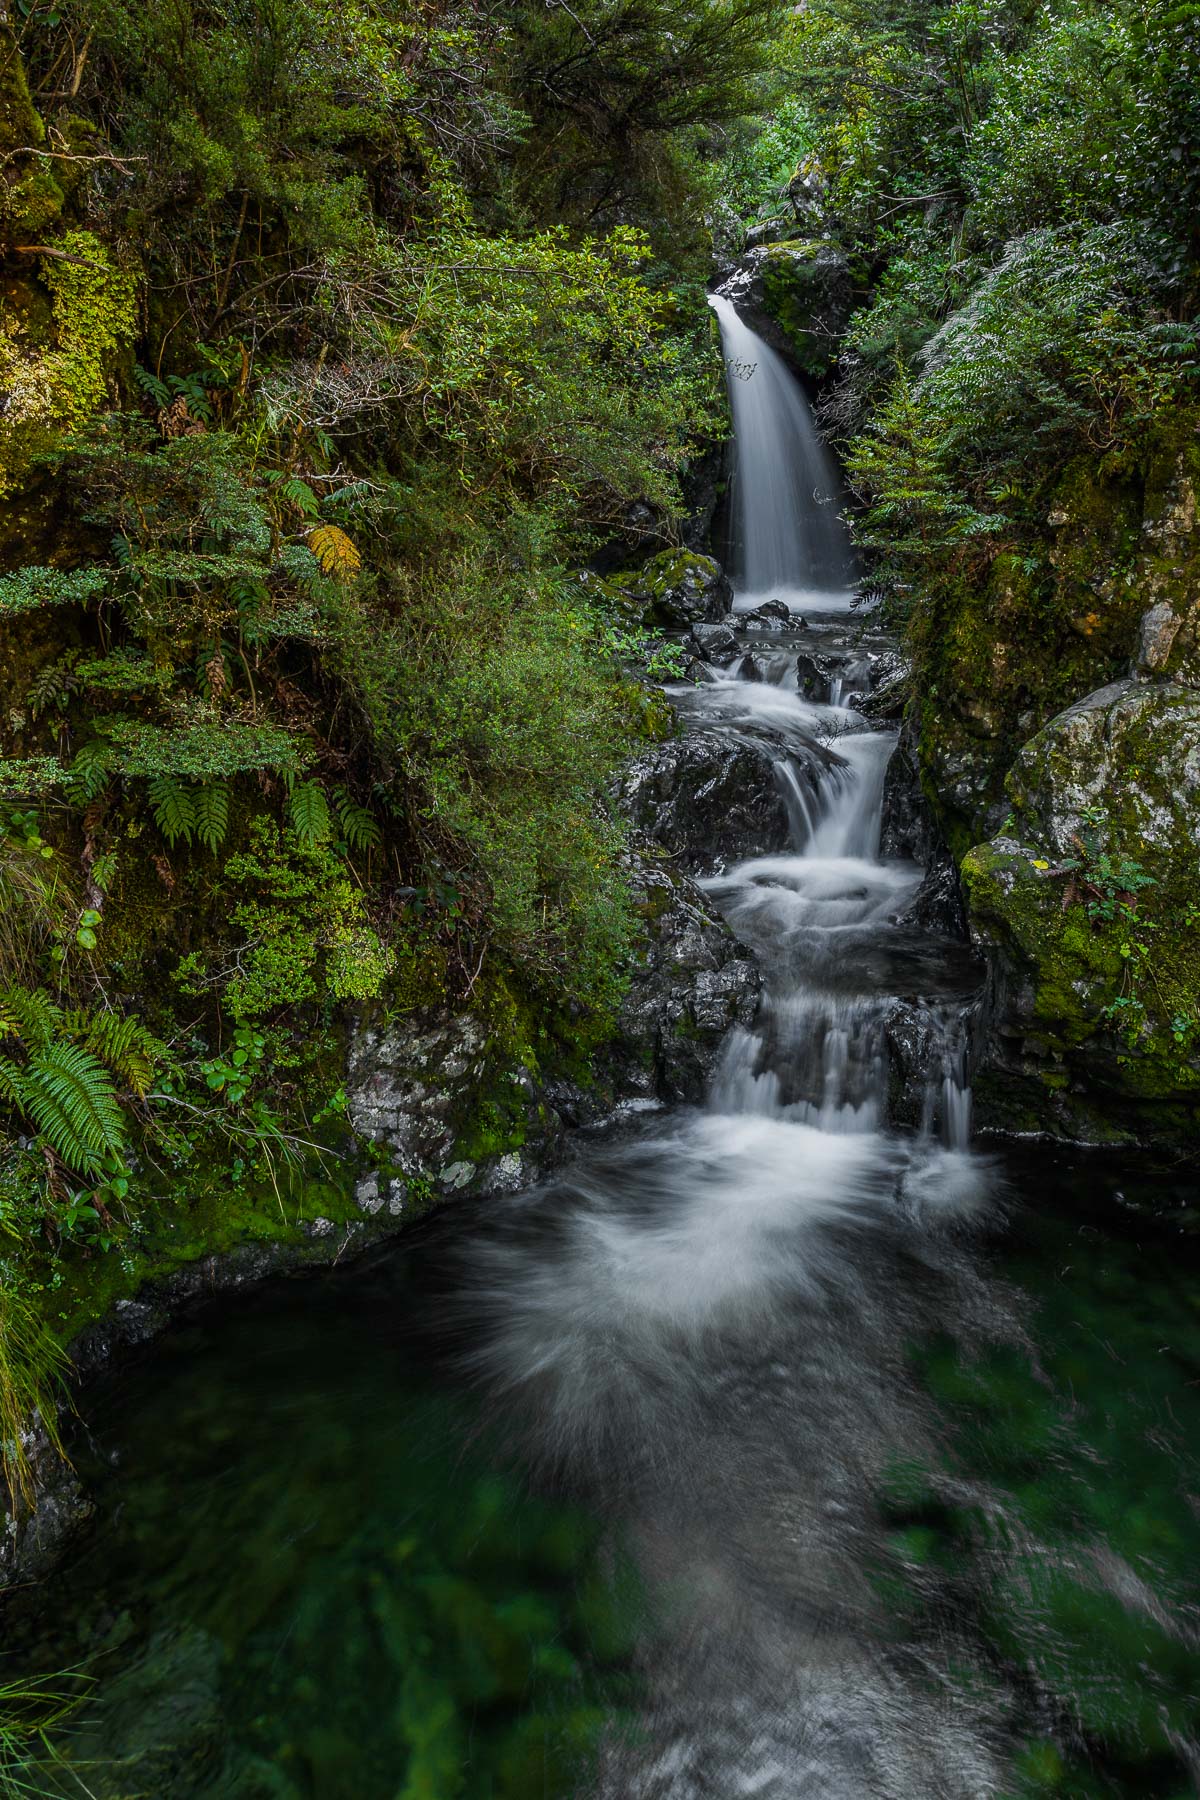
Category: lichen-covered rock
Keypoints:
(680, 588)
(1088, 903)
(707, 798)
(447, 1109)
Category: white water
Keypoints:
(704, 1326)
(789, 541)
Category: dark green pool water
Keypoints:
(319, 1569)
(307, 1578)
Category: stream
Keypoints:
(770, 1450)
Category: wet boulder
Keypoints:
(890, 688)
(680, 588)
(714, 643)
(772, 615)
(814, 677)
(690, 981)
(707, 798)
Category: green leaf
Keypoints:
(309, 812)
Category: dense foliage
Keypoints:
(1007, 193)
(334, 337)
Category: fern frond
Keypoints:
(297, 493)
(30, 1015)
(53, 684)
(212, 814)
(359, 827)
(174, 808)
(150, 384)
(69, 1096)
(309, 811)
(126, 1047)
(12, 1088)
(89, 773)
(335, 552)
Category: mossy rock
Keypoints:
(679, 588)
(998, 657)
(808, 288)
(31, 197)
(1089, 904)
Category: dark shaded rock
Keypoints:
(707, 798)
(798, 295)
(814, 676)
(704, 487)
(772, 615)
(159, 1727)
(30, 1541)
(750, 669)
(692, 981)
(715, 643)
(891, 688)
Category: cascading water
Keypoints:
(788, 540)
(705, 1325)
(306, 1586)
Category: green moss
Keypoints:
(997, 656)
(807, 290)
(30, 195)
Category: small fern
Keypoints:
(30, 1015)
(309, 813)
(69, 1095)
(174, 806)
(297, 493)
(89, 773)
(335, 552)
(211, 804)
(360, 828)
(123, 1044)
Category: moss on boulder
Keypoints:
(679, 588)
(1089, 903)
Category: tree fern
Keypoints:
(359, 827)
(69, 1095)
(211, 804)
(174, 807)
(309, 811)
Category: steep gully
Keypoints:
(700, 1330)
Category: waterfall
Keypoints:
(789, 541)
(702, 1321)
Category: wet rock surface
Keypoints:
(706, 799)
(692, 983)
